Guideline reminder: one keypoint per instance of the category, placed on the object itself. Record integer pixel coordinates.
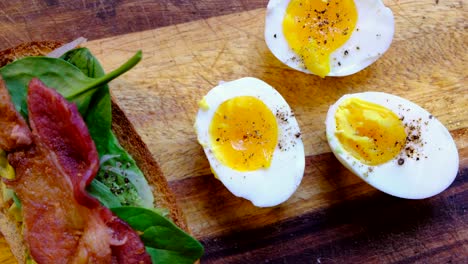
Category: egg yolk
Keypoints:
(316, 28)
(370, 132)
(244, 134)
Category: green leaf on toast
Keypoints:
(67, 79)
(166, 242)
(167, 256)
(103, 194)
(118, 171)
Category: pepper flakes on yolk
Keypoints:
(314, 29)
(244, 134)
(370, 132)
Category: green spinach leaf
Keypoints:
(58, 74)
(103, 194)
(118, 171)
(167, 256)
(166, 243)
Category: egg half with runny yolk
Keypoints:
(252, 141)
(392, 144)
(328, 38)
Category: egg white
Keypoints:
(263, 187)
(438, 161)
(375, 32)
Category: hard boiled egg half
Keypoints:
(252, 141)
(393, 144)
(328, 38)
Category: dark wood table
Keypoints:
(334, 217)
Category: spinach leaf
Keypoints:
(119, 173)
(100, 109)
(166, 243)
(85, 61)
(103, 194)
(167, 256)
(58, 74)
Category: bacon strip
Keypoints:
(61, 129)
(55, 225)
(14, 132)
(63, 223)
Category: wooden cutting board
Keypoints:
(334, 216)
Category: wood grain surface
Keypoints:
(64, 20)
(334, 217)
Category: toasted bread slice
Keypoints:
(128, 138)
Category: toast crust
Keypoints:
(128, 138)
(35, 48)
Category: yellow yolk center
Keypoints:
(316, 28)
(244, 134)
(369, 132)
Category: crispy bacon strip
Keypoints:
(55, 225)
(59, 126)
(63, 223)
(14, 132)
